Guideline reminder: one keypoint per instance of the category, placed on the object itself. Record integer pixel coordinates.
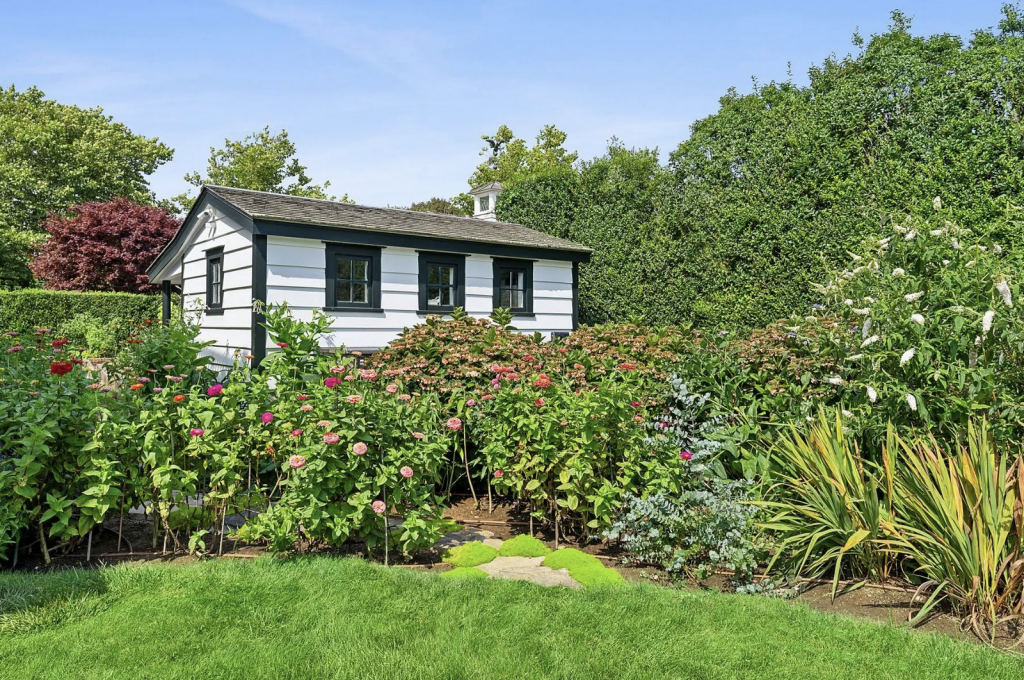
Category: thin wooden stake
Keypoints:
(387, 529)
(88, 548)
(556, 523)
(465, 459)
(490, 502)
(120, 519)
(223, 521)
(17, 546)
(42, 541)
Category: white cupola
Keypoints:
(484, 200)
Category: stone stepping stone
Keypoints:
(467, 535)
(528, 569)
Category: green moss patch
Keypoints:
(585, 569)
(465, 573)
(469, 554)
(448, 526)
(523, 546)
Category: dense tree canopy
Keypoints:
(437, 205)
(262, 162)
(768, 194)
(103, 247)
(53, 156)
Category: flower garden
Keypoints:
(873, 439)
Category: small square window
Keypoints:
(353, 277)
(485, 203)
(513, 285)
(441, 282)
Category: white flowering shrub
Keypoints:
(924, 330)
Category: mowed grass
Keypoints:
(343, 618)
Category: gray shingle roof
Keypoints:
(281, 207)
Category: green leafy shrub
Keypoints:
(585, 569)
(470, 554)
(24, 311)
(523, 546)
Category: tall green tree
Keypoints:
(263, 162)
(53, 156)
(768, 194)
(442, 206)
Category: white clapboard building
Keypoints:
(375, 271)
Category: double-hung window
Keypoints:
(442, 282)
(353, 278)
(513, 285)
(215, 281)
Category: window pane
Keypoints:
(485, 203)
(358, 292)
(433, 296)
(446, 296)
(447, 275)
(518, 280)
(506, 298)
(216, 293)
(517, 299)
(344, 268)
(433, 275)
(359, 270)
(344, 293)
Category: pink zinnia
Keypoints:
(297, 462)
(404, 397)
(406, 471)
(418, 435)
(337, 369)
(391, 389)
(332, 383)
(196, 432)
(499, 473)
(368, 374)
(539, 402)
(628, 367)
(323, 423)
(331, 438)
(267, 418)
(379, 507)
(359, 448)
(471, 403)
(215, 390)
(158, 390)
(542, 381)
(305, 407)
(174, 378)
(454, 424)
(685, 455)
(635, 404)
(302, 397)
(169, 367)
(143, 379)
(353, 398)
(296, 433)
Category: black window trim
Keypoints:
(459, 262)
(214, 255)
(373, 254)
(504, 264)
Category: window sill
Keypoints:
(523, 315)
(440, 312)
(214, 312)
(362, 310)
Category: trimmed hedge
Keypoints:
(116, 313)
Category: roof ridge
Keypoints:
(362, 205)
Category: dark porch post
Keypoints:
(165, 291)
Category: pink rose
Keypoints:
(406, 472)
(359, 448)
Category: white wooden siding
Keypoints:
(231, 331)
(296, 274)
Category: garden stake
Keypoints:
(465, 459)
(387, 535)
(88, 548)
(223, 521)
(490, 503)
(17, 545)
(120, 519)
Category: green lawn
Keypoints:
(343, 618)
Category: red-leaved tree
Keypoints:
(103, 247)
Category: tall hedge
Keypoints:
(769, 193)
(24, 311)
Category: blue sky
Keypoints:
(388, 99)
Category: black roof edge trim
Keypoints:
(431, 243)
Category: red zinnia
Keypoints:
(59, 342)
(178, 398)
(539, 402)
(628, 367)
(61, 367)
